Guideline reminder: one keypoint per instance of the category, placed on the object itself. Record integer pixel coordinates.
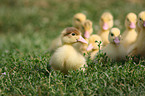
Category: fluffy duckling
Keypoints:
(115, 50)
(139, 46)
(130, 35)
(78, 20)
(67, 57)
(106, 23)
(87, 31)
(93, 47)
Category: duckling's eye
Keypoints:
(78, 20)
(73, 34)
(140, 19)
(96, 41)
(112, 34)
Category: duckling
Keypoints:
(115, 50)
(87, 31)
(78, 20)
(130, 35)
(139, 46)
(106, 23)
(94, 46)
(68, 57)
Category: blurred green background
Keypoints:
(26, 24)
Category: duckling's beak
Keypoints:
(132, 25)
(81, 39)
(86, 35)
(144, 23)
(105, 26)
(90, 47)
(116, 41)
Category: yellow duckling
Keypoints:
(78, 20)
(115, 50)
(87, 31)
(106, 23)
(130, 35)
(67, 57)
(93, 47)
(139, 46)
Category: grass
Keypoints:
(26, 30)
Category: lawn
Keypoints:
(27, 28)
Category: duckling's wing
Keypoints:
(55, 44)
(57, 60)
(132, 49)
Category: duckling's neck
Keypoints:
(90, 30)
(68, 44)
(115, 45)
(142, 32)
(77, 46)
(143, 29)
(129, 29)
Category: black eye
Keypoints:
(112, 34)
(96, 41)
(78, 20)
(73, 34)
(140, 19)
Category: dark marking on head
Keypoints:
(140, 19)
(78, 20)
(128, 19)
(70, 30)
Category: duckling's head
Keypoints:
(114, 36)
(87, 28)
(94, 41)
(72, 35)
(130, 21)
(78, 20)
(106, 21)
(141, 19)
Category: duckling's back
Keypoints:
(140, 45)
(128, 38)
(55, 44)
